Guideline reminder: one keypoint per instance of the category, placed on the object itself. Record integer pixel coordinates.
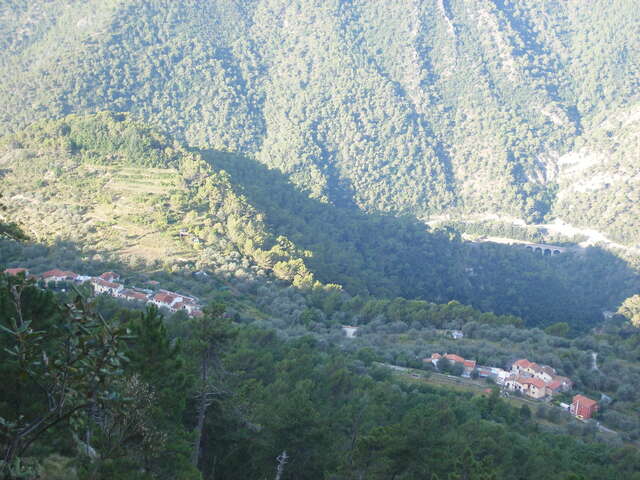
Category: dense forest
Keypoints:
(427, 108)
(132, 395)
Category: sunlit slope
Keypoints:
(423, 107)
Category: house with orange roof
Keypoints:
(433, 359)
(14, 272)
(529, 386)
(555, 383)
(520, 365)
(583, 407)
(175, 302)
(165, 299)
(56, 275)
(110, 276)
(467, 365)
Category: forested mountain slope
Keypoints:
(111, 185)
(421, 107)
(338, 415)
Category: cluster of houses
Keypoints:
(498, 375)
(527, 378)
(536, 381)
(108, 284)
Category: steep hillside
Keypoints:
(116, 189)
(423, 107)
(119, 188)
(600, 179)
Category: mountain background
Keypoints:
(303, 166)
(516, 109)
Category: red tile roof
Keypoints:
(454, 358)
(59, 273)
(458, 359)
(554, 385)
(104, 283)
(522, 363)
(15, 271)
(165, 297)
(110, 276)
(532, 381)
(436, 355)
(133, 295)
(584, 401)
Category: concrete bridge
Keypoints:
(544, 249)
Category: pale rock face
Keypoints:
(349, 331)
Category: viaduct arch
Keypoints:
(544, 249)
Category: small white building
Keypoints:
(457, 334)
(102, 286)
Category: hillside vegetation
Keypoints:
(129, 408)
(117, 190)
(425, 107)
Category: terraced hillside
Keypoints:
(111, 208)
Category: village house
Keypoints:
(553, 383)
(467, 365)
(530, 386)
(525, 367)
(110, 276)
(165, 299)
(56, 275)
(14, 272)
(435, 357)
(132, 295)
(107, 284)
(559, 384)
(583, 407)
(102, 286)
